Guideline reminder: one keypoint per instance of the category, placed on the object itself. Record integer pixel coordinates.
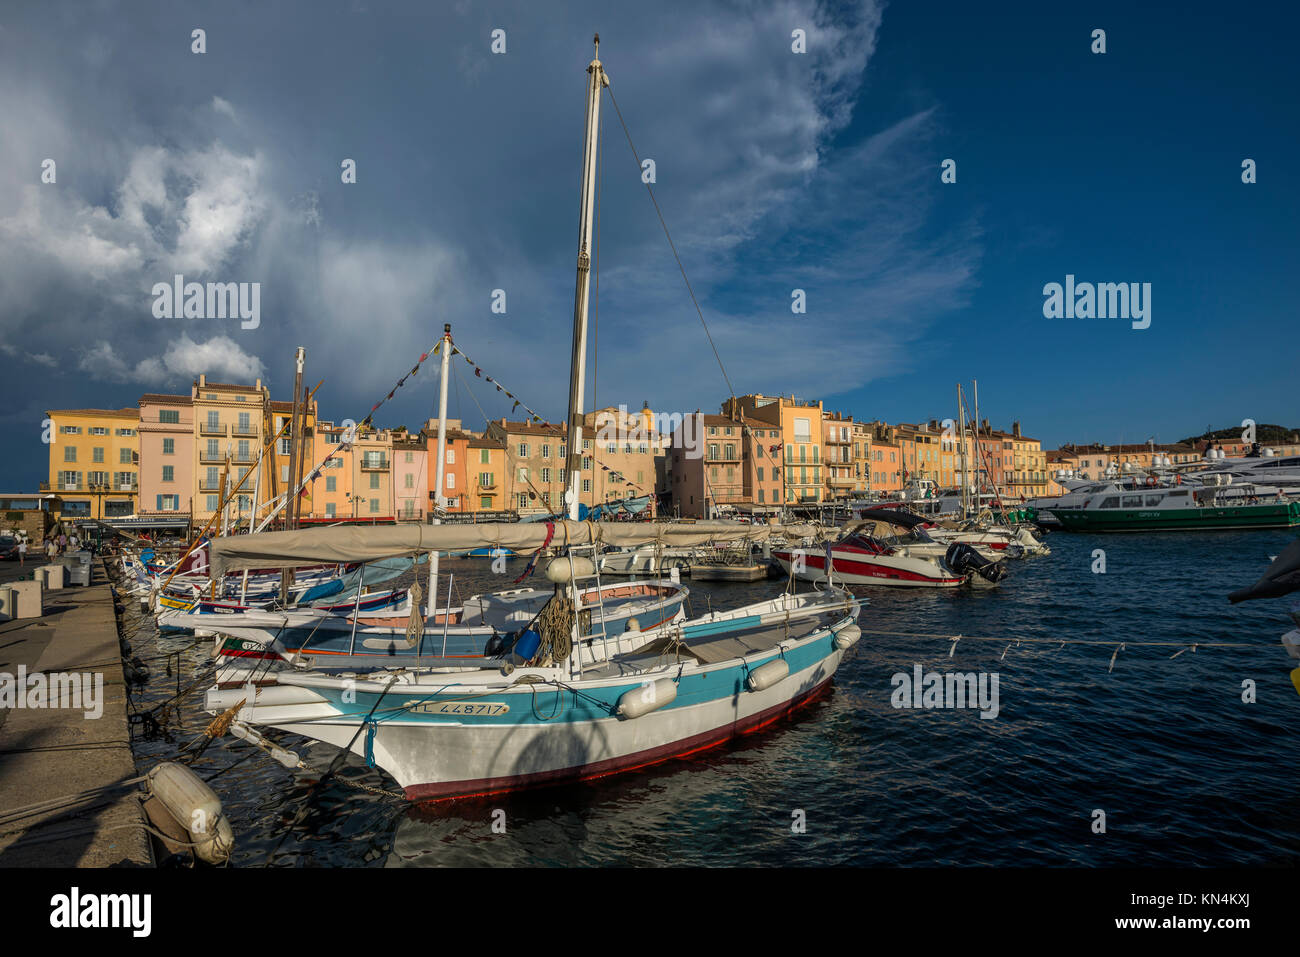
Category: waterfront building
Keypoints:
(411, 475)
(167, 456)
(800, 423)
(886, 458)
(624, 445)
(1096, 461)
(860, 433)
(720, 464)
(486, 468)
(94, 461)
(533, 466)
(837, 440)
(331, 490)
(372, 475)
(455, 479)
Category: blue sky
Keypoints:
(775, 171)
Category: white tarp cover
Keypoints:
(363, 543)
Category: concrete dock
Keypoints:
(53, 752)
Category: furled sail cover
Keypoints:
(364, 543)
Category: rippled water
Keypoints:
(1186, 773)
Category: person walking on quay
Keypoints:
(22, 552)
(51, 549)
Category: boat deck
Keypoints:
(734, 643)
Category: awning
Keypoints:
(352, 543)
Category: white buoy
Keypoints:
(565, 568)
(649, 697)
(764, 676)
(196, 808)
(1291, 642)
(847, 636)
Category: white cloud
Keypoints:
(220, 358)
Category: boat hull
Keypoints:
(1202, 518)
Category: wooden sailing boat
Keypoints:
(556, 710)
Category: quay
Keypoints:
(49, 753)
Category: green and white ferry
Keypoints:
(1178, 508)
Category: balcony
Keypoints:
(243, 430)
(208, 485)
(374, 465)
(215, 458)
(837, 481)
(210, 428)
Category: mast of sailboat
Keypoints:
(438, 482)
(578, 365)
(975, 388)
(961, 417)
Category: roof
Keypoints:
(226, 387)
(530, 428)
(133, 413)
(169, 399)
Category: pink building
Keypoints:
(166, 455)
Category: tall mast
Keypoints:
(578, 363)
(438, 496)
(975, 448)
(961, 416)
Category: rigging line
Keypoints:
(671, 245)
(505, 447)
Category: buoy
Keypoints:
(1291, 642)
(632, 625)
(847, 636)
(651, 696)
(764, 676)
(564, 569)
(196, 808)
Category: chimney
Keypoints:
(985, 426)
(258, 386)
(1015, 429)
(934, 425)
(203, 380)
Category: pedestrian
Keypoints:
(22, 552)
(50, 549)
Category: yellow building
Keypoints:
(94, 461)
(486, 476)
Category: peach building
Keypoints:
(167, 455)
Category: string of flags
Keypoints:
(478, 372)
(369, 419)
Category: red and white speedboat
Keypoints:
(862, 560)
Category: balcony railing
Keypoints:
(374, 465)
(243, 430)
(207, 485)
(208, 428)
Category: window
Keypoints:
(172, 416)
(586, 445)
(485, 501)
(522, 500)
(485, 480)
(760, 496)
(450, 457)
(410, 457)
(451, 480)
(410, 480)
(169, 447)
(546, 451)
(124, 480)
(69, 453)
(802, 430)
(97, 454)
(374, 506)
(1154, 500)
(245, 424)
(760, 473)
(564, 451)
(127, 432)
(523, 474)
(329, 509)
(523, 450)
(284, 473)
(211, 481)
(212, 503)
(1111, 501)
(586, 463)
(1132, 501)
(374, 480)
(611, 448)
(214, 420)
(586, 485)
(169, 503)
(546, 476)
(70, 478)
(169, 473)
(97, 430)
(124, 457)
(483, 456)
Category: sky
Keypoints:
(775, 170)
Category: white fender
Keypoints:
(764, 676)
(847, 636)
(650, 696)
(196, 808)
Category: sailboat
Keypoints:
(554, 709)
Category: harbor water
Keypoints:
(1163, 749)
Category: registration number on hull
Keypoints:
(462, 708)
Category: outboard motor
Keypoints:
(964, 559)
